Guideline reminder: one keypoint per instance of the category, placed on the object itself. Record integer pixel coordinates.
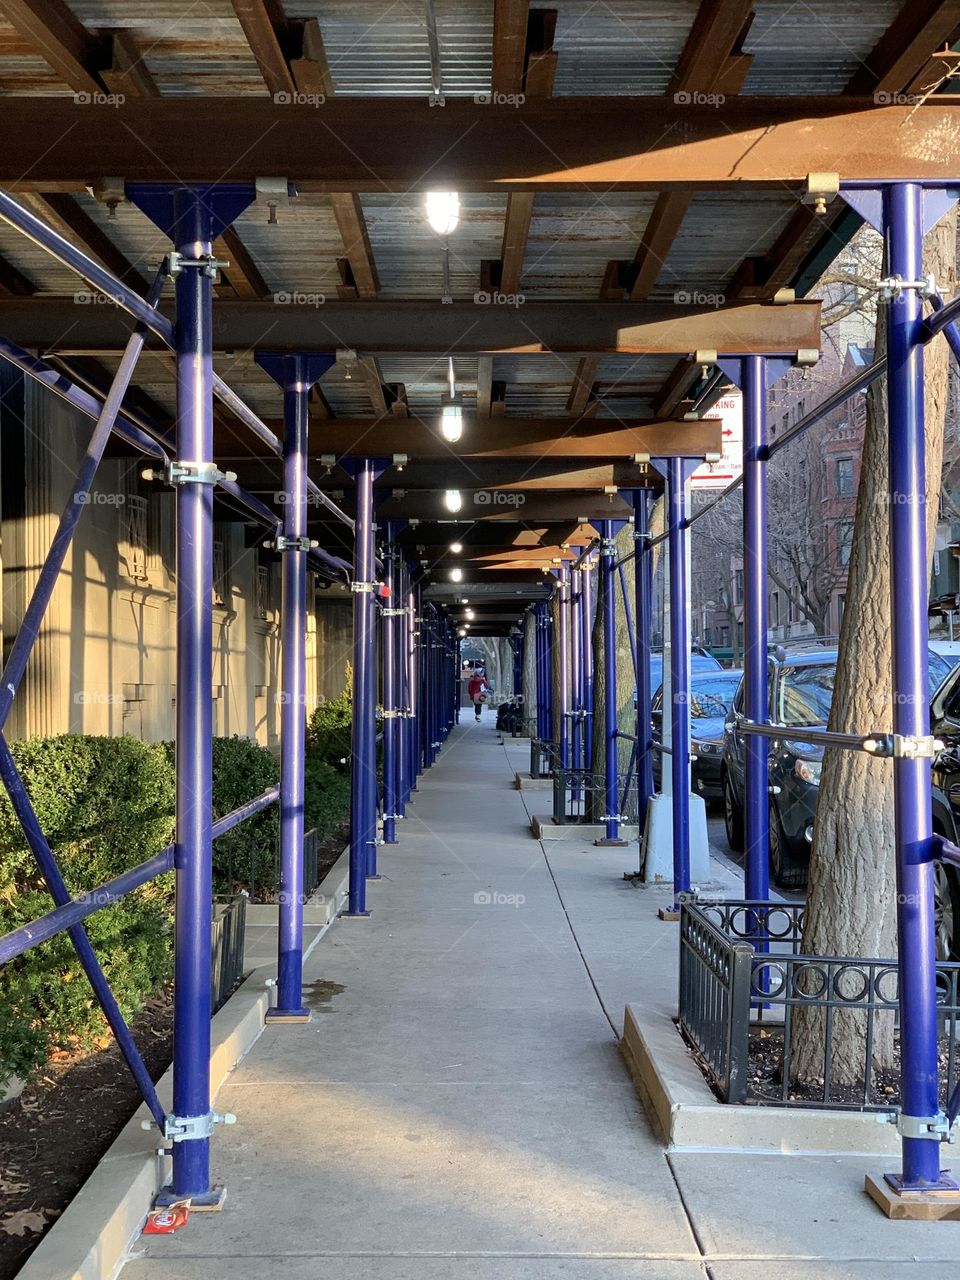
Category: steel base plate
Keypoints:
(207, 1202)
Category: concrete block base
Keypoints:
(527, 782)
(544, 828)
(918, 1206)
(656, 854)
(688, 1116)
(297, 1016)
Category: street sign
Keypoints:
(717, 475)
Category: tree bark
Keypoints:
(851, 908)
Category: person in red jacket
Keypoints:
(476, 689)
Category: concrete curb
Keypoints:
(687, 1116)
(544, 828)
(91, 1238)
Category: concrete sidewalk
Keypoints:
(458, 1106)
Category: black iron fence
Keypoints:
(229, 922)
(579, 795)
(743, 985)
(543, 757)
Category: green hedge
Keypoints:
(105, 804)
(245, 857)
(329, 729)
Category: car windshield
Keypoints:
(710, 699)
(806, 693)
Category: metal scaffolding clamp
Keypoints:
(294, 544)
(176, 262)
(392, 613)
(363, 586)
(389, 714)
(613, 817)
(608, 546)
(934, 1128)
(187, 472)
(194, 1128)
(891, 287)
(906, 746)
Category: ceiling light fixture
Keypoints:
(456, 547)
(453, 500)
(443, 211)
(456, 574)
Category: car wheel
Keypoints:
(946, 912)
(787, 871)
(732, 816)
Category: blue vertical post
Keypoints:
(296, 374)
(679, 673)
(611, 754)
(363, 772)
(391, 721)
(539, 647)
(413, 687)
(548, 700)
(576, 724)
(902, 212)
(193, 217)
(400, 600)
(586, 661)
(563, 662)
(643, 590)
(756, 755)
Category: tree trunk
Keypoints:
(529, 674)
(851, 909)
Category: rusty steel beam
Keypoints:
(375, 328)
(566, 143)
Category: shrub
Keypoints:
(326, 800)
(328, 733)
(246, 856)
(105, 804)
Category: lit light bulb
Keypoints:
(456, 575)
(443, 211)
(469, 614)
(462, 632)
(453, 499)
(456, 547)
(451, 422)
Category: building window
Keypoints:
(844, 542)
(738, 587)
(775, 609)
(841, 605)
(263, 592)
(221, 576)
(936, 564)
(134, 539)
(843, 471)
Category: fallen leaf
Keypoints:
(24, 1220)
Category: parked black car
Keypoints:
(711, 696)
(801, 679)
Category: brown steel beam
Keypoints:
(584, 507)
(905, 47)
(261, 20)
(356, 244)
(61, 39)
(519, 439)
(509, 45)
(581, 392)
(566, 143)
(60, 211)
(576, 328)
(242, 274)
(127, 73)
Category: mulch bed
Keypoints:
(765, 1082)
(54, 1135)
